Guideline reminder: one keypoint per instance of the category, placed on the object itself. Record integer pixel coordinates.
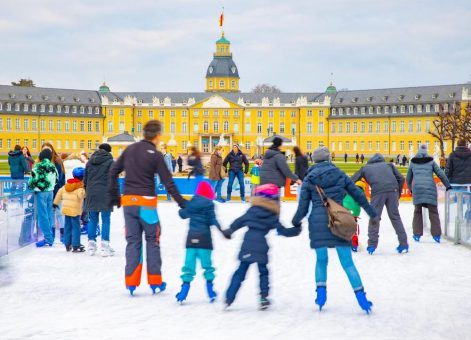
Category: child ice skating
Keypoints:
(261, 217)
(199, 245)
(352, 205)
(42, 181)
(334, 182)
(141, 162)
(255, 174)
(72, 195)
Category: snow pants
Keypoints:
(418, 221)
(189, 269)
(391, 200)
(141, 219)
(239, 277)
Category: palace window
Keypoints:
(354, 146)
(411, 126)
(355, 127)
(309, 127)
(247, 145)
(259, 114)
(184, 113)
(216, 126)
(309, 145)
(259, 127)
(25, 107)
(334, 112)
(226, 126)
(378, 127)
(332, 128)
(97, 110)
(90, 110)
(121, 112)
(205, 126)
(393, 126)
(51, 125)
(411, 108)
(340, 111)
(362, 146)
(282, 114)
(393, 146)
(82, 144)
(82, 109)
(233, 84)
(74, 126)
(33, 107)
(110, 126)
(139, 127)
(59, 126)
(226, 113)
(347, 111)
(378, 146)
(221, 83)
(355, 110)
(419, 108)
(205, 113)
(427, 126)
(42, 126)
(151, 114)
(362, 127)
(309, 113)
(270, 114)
(363, 110)
(427, 108)
(82, 126)
(410, 145)
(340, 146)
(184, 127)
(401, 145)
(236, 127)
(347, 127)
(321, 127)
(195, 127)
(42, 108)
(26, 125)
(403, 109)
(386, 110)
(394, 109)
(89, 126)
(121, 127)
(97, 126)
(162, 113)
(17, 107)
(282, 127)
(139, 113)
(370, 110)
(74, 109)
(370, 126)
(172, 113)
(378, 110)
(347, 145)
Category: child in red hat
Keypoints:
(200, 211)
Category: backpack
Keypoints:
(341, 221)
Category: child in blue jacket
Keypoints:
(261, 217)
(199, 245)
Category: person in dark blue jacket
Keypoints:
(199, 244)
(261, 217)
(335, 184)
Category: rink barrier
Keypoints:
(457, 212)
(17, 216)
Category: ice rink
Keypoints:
(425, 294)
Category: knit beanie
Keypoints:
(105, 146)
(277, 142)
(205, 189)
(423, 149)
(321, 154)
(45, 153)
(269, 191)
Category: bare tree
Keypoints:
(464, 131)
(266, 89)
(24, 82)
(440, 125)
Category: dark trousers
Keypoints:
(391, 201)
(137, 220)
(240, 178)
(180, 168)
(239, 277)
(418, 221)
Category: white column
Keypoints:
(210, 144)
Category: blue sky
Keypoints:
(153, 45)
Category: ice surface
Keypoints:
(425, 294)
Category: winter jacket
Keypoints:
(215, 165)
(30, 162)
(43, 176)
(260, 218)
(381, 176)
(420, 179)
(200, 211)
(255, 175)
(335, 184)
(141, 161)
(352, 205)
(71, 195)
(275, 169)
(235, 162)
(197, 165)
(168, 162)
(70, 165)
(179, 161)
(301, 166)
(18, 165)
(458, 166)
(96, 181)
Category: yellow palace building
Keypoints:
(390, 121)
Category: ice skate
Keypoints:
(91, 248)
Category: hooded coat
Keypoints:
(301, 166)
(95, 181)
(335, 184)
(18, 165)
(458, 166)
(215, 165)
(43, 176)
(260, 218)
(71, 195)
(420, 179)
(200, 211)
(381, 176)
(275, 169)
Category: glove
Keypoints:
(227, 233)
(115, 201)
(183, 204)
(55, 206)
(298, 229)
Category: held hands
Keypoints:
(55, 206)
(227, 233)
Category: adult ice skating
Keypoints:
(245, 170)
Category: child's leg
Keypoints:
(189, 268)
(264, 283)
(417, 221)
(322, 259)
(75, 226)
(68, 231)
(345, 257)
(205, 258)
(237, 279)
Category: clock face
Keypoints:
(233, 69)
(211, 69)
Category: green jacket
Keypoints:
(43, 176)
(350, 204)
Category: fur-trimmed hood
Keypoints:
(268, 204)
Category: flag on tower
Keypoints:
(221, 18)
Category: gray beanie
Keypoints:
(321, 154)
(423, 149)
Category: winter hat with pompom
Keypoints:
(205, 189)
(269, 191)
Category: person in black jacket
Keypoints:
(261, 217)
(141, 161)
(236, 159)
(275, 169)
(180, 163)
(199, 244)
(458, 166)
(194, 160)
(97, 203)
(301, 164)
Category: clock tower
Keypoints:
(222, 74)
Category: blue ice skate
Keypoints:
(363, 302)
(321, 296)
(161, 287)
(437, 238)
(402, 249)
(181, 296)
(131, 289)
(416, 238)
(43, 243)
(371, 250)
(211, 293)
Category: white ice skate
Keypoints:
(91, 248)
(106, 249)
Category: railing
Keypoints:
(17, 217)
(457, 212)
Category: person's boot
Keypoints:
(321, 296)
(362, 301)
(211, 293)
(181, 296)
